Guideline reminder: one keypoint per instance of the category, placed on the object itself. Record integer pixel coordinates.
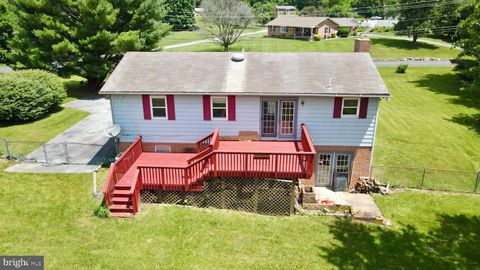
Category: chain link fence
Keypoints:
(57, 153)
(425, 178)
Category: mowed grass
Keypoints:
(427, 123)
(381, 47)
(38, 131)
(51, 215)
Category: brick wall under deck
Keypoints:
(360, 162)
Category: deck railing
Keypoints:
(120, 167)
(212, 162)
(205, 149)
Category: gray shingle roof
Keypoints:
(283, 74)
(296, 21)
(346, 22)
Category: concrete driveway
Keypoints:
(86, 143)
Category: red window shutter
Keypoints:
(171, 107)
(147, 114)
(207, 115)
(363, 108)
(337, 107)
(231, 108)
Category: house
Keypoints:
(285, 10)
(306, 27)
(309, 116)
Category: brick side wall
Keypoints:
(360, 161)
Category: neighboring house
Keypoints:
(285, 10)
(306, 27)
(6, 69)
(308, 116)
(378, 23)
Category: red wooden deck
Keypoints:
(136, 170)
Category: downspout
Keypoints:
(374, 138)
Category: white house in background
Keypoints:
(173, 99)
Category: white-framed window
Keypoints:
(219, 107)
(159, 107)
(283, 29)
(273, 28)
(327, 30)
(350, 107)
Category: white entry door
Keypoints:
(331, 165)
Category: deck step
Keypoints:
(121, 215)
(121, 193)
(123, 187)
(120, 208)
(121, 200)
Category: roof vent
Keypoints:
(238, 57)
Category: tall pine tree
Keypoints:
(84, 37)
(180, 14)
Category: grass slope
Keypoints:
(39, 131)
(51, 215)
(426, 122)
(382, 47)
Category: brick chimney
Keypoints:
(362, 45)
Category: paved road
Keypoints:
(204, 41)
(87, 142)
(441, 63)
(419, 40)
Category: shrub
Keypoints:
(317, 37)
(343, 32)
(29, 94)
(101, 211)
(402, 68)
(333, 35)
(354, 34)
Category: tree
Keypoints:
(446, 14)
(264, 12)
(84, 37)
(313, 11)
(414, 19)
(225, 20)
(467, 37)
(7, 27)
(179, 14)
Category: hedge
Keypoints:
(29, 95)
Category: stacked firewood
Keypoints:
(370, 185)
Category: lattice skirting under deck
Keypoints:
(256, 195)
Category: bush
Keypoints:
(343, 32)
(333, 35)
(402, 68)
(317, 37)
(29, 94)
(101, 211)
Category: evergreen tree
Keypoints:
(6, 31)
(84, 37)
(179, 14)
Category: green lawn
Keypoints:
(51, 215)
(427, 124)
(38, 131)
(177, 37)
(382, 47)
